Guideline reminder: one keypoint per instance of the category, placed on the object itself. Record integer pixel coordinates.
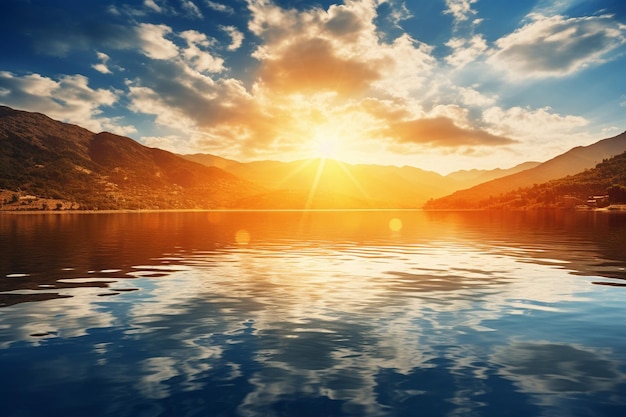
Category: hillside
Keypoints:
(469, 178)
(607, 178)
(572, 162)
(47, 164)
(43, 160)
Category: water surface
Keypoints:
(362, 313)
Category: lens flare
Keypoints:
(242, 237)
(395, 224)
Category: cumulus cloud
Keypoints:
(472, 97)
(235, 35)
(151, 4)
(542, 131)
(196, 54)
(154, 43)
(528, 123)
(102, 65)
(313, 66)
(324, 69)
(461, 10)
(465, 50)
(191, 9)
(320, 70)
(442, 131)
(70, 98)
(556, 46)
(398, 11)
(219, 7)
(172, 88)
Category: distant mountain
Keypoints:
(593, 188)
(327, 183)
(469, 178)
(42, 159)
(211, 160)
(571, 162)
(346, 185)
(49, 164)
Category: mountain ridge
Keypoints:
(572, 162)
(44, 161)
(57, 161)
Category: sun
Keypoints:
(331, 133)
(325, 142)
(326, 147)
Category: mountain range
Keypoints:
(572, 162)
(45, 160)
(47, 164)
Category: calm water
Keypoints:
(313, 314)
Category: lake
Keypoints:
(347, 313)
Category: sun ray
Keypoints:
(301, 167)
(356, 183)
(314, 185)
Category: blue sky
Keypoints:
(438, 84)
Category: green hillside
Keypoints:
(607, 178)
(47, 164)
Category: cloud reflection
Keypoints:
(419, 317)
(549, 370)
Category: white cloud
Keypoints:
(197, 58)
(219, 7)
(472, 97)
(151, 4)
(148, 101)
(191, 9)
(540, 131)
(399, 11)
(557, 46)
(153, 41)
(461, 10)
(465, 50)
(342, 50)
(529, 123)
(102, 65)
(70, 99)
(315, 66)
(235, 35)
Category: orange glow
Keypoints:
(395, 224)
(242, 237)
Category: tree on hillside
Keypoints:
(617, 194)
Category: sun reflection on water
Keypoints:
(315, 311)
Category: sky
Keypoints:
(441, 85)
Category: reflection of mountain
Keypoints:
(572, 162)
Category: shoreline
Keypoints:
(610, 209)
(140, 211)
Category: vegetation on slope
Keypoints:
(607, 178)
(42, 160)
